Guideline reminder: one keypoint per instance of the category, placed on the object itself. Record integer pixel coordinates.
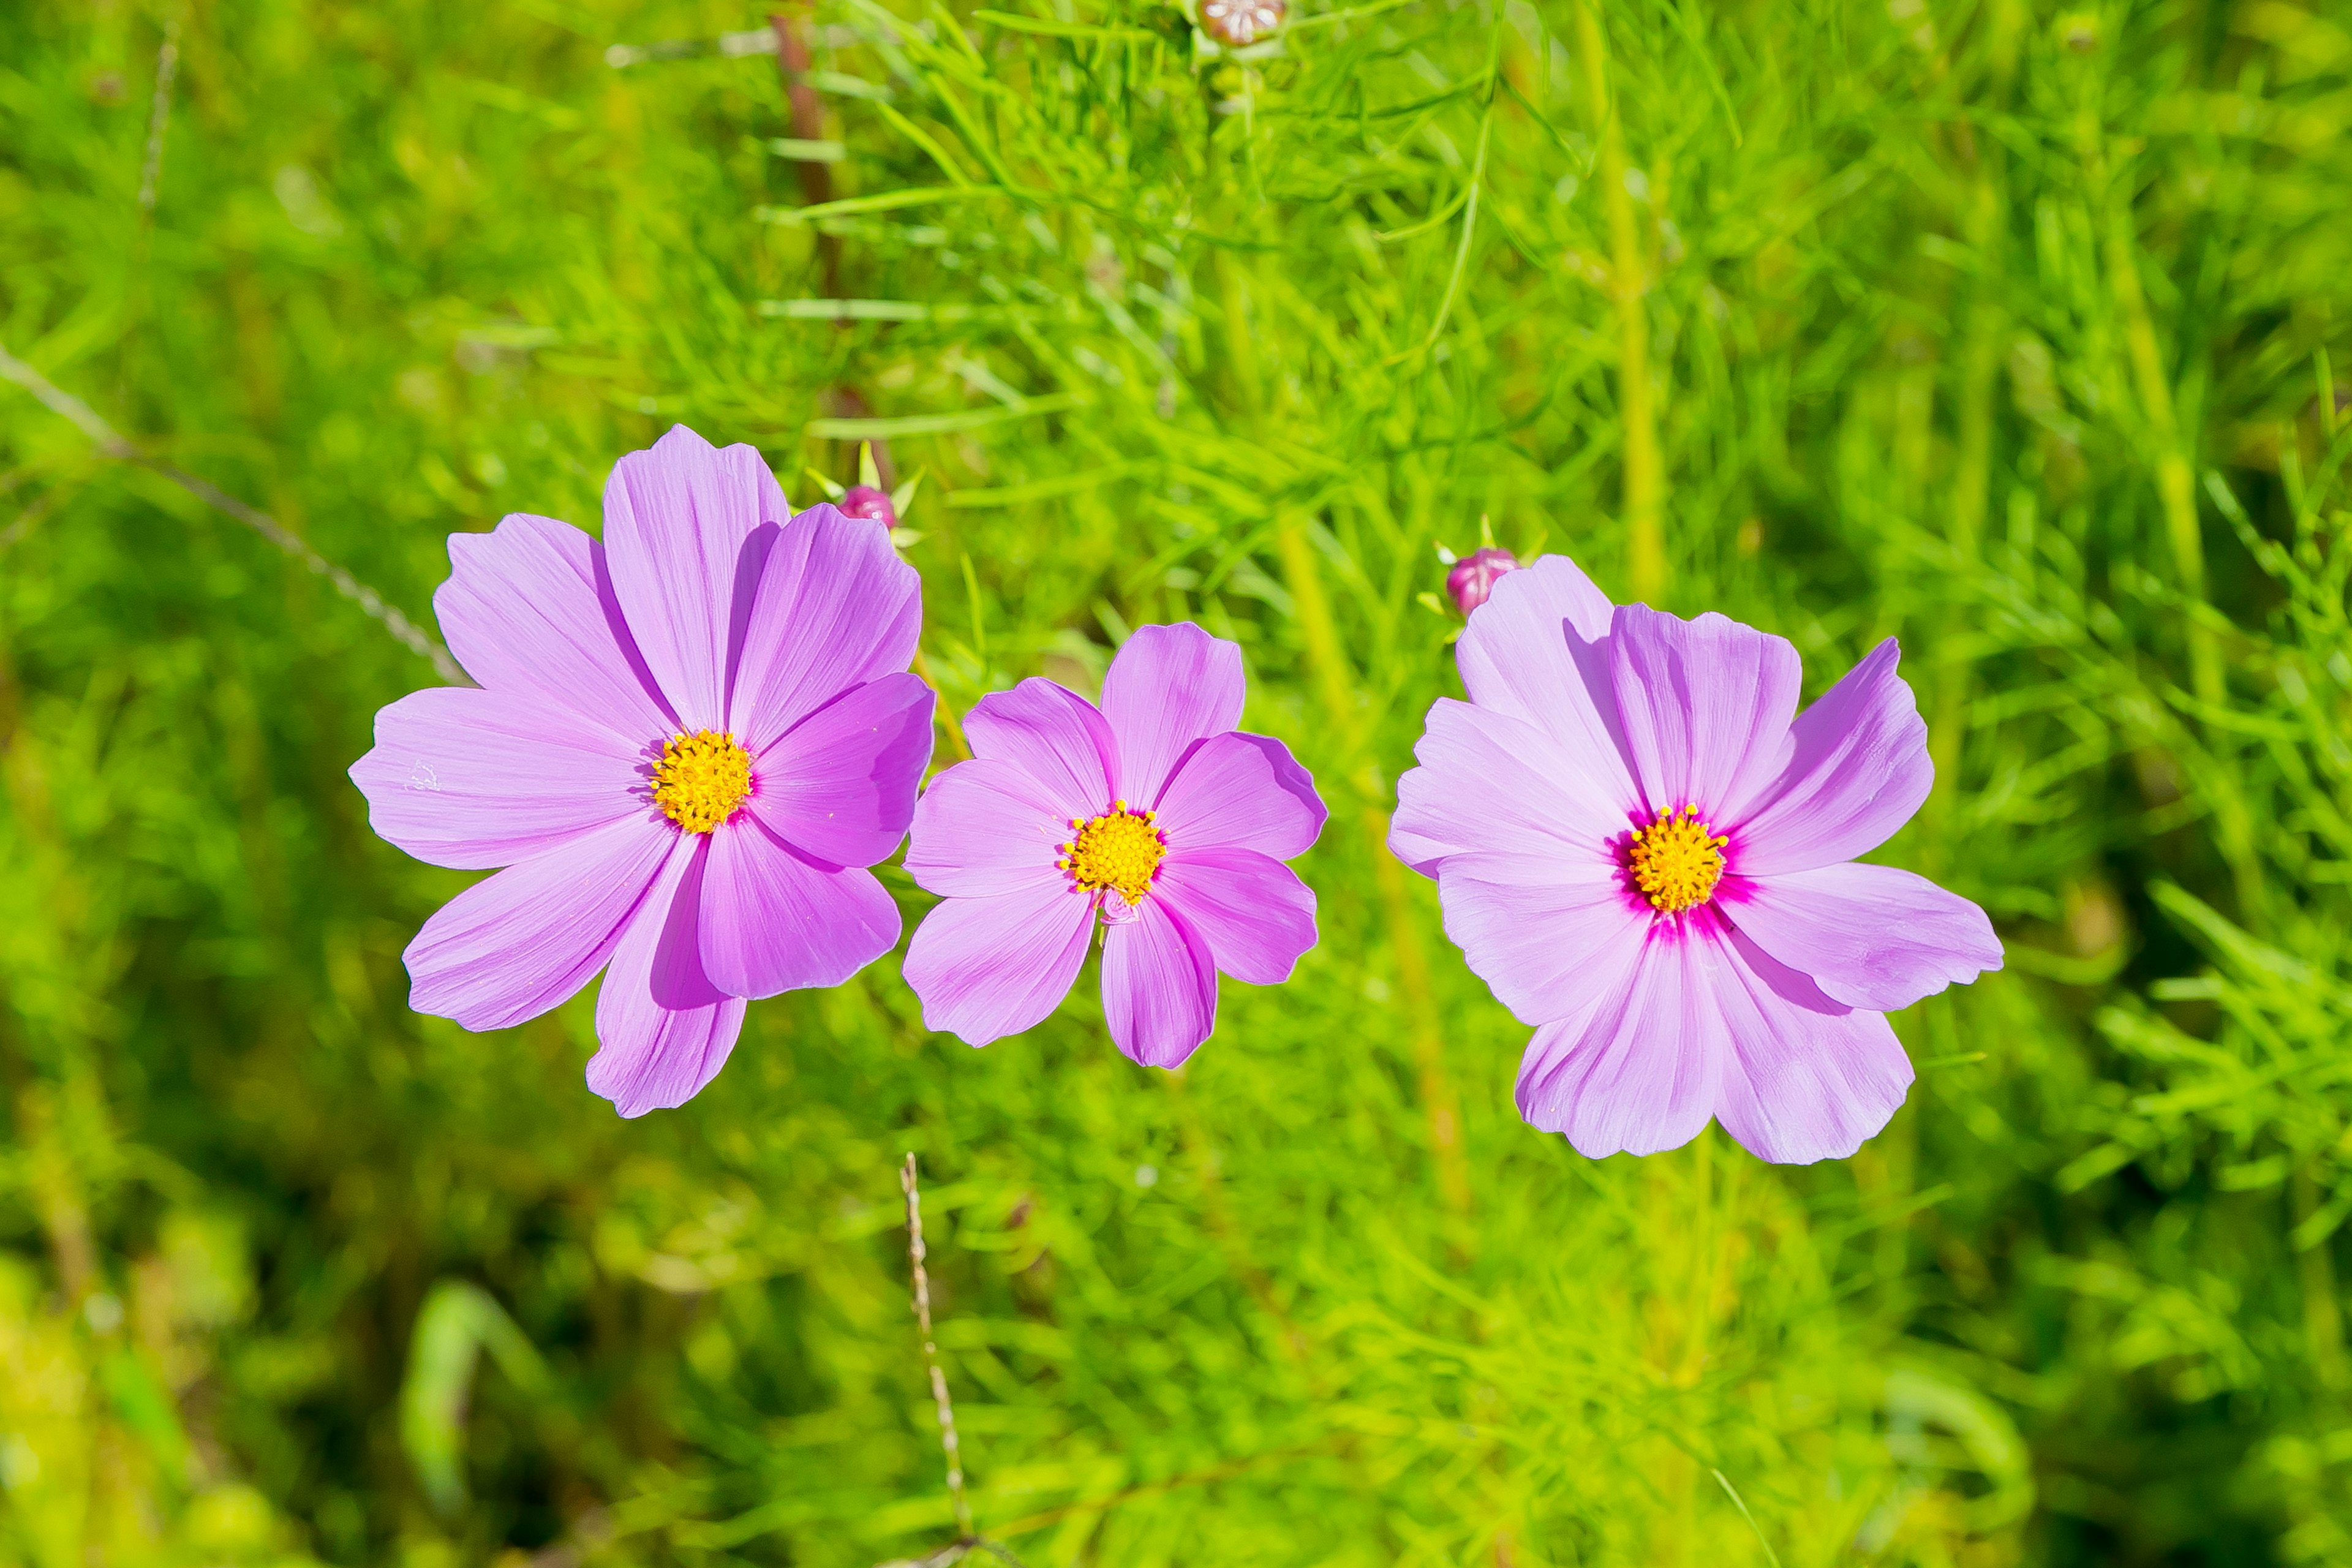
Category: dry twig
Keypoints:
(159, 116)
(915, 1255)
(111, 444)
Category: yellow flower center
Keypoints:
(701, 779)
(1118, 851)
(1678, 860)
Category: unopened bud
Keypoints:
(865, 500)
(1237, 23)
(1473, 576)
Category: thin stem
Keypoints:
(1462, 251)
(1703, 1254)
(110, 443)
(946, 710)
(915, 1255)
(159, 116)
(1338, 690)
(2177, 492)
(1645, 548)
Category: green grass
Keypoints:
(2004, 331)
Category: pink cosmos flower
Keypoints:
(688, 742)
(1151, 815)
(1647, 852)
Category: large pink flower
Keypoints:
(688, 742)
(1648, 853)
(1151, 814)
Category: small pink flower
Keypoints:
(1151, 817)
(1474, 575)
(688, 744)
(1648, 853)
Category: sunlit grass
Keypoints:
(2007, 331)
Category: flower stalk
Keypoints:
(1629, 286)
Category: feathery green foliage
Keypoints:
(2007, 330)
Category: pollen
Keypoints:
(1118, 851)
(1677, 860)
(701, 779)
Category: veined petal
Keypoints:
(1869, 936)
(840, 782)
(1545, 943)
(775, 920)
(1238, 790)
(1642, 1069)
(835, 609)
(679, 522)
(513, 945)
(986, 968)
(1808, 1078)
(1706, 706)
(1857, 770)
(1169, 687)
(985, 827)
(1159, 987)
(527, 613)
(1537, 650)
(1056, 737)
(663, 1029)
(473, 779)
(1252, 912)
(1491, 781)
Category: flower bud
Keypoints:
(865, 500)
(1236, 23)
(1473, 576)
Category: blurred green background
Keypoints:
(2006, 329)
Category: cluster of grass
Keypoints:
(2006, 330)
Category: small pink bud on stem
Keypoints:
(1474, 575)
(865, 500)
(1238, 23)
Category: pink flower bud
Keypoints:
(1473, 576)
(1236, 23)
(865, 500)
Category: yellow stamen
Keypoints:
(701, 779)
(1117, 851)
(1678, 860)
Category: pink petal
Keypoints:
(1056, 737)
(835, 609)
(985, 827)
(1641, 1069)
(1869, 936)
(775, 920)
(1237, 791)
(1858, 770)
(986, 968)
(473, 779)
(1807, 1079)
(1169, 687)
(841, 783)
(1542, 937)
(1253, 914)
(1706, 706)
(1537, 650)
(663, 1029)
(528, 614)
(1159, 987)
(676, 521)
(513, 945)
(1488, 780)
